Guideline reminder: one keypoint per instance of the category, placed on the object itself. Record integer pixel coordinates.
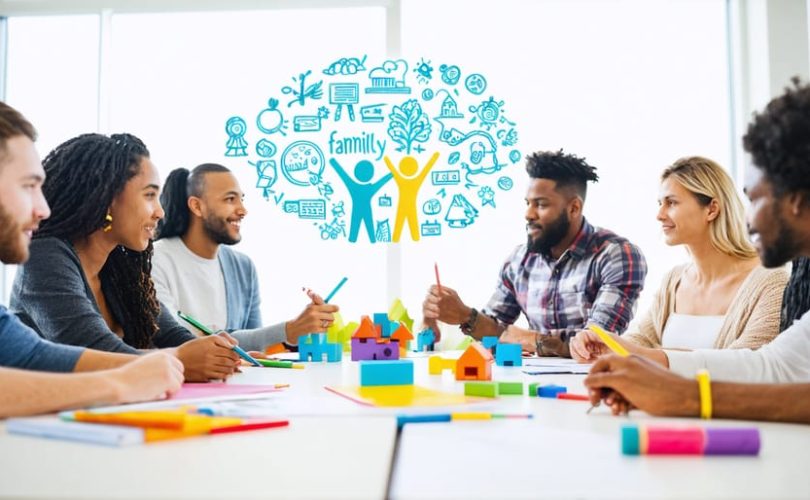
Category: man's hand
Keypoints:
(642, 384)
(516, 335)
(209, 358)
(445, 306)
(316, 317)
(153, 376)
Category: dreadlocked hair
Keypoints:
(796, 299)
(178, 187)
(566, 170)
(83, 177)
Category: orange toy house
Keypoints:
(474, 364)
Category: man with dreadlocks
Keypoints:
(567, 275)
(196, 271)
(773, 382)
(109, 378)
(88, 280)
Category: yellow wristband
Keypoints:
(705, 387)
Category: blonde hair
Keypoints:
(708, 181)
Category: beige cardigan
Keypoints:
(752, 319)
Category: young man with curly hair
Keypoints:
(566, 275)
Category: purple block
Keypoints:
(732, 441)
(370, 350)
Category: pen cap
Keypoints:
(732, 441)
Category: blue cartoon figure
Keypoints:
(237, 145)
(409, 180)
(361, 191)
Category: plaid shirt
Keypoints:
(596, 280)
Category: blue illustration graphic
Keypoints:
(265, 148)
(237, 145)
(302, 163)
(409, 125)
(432, 207)
(361, 192)
(487, 196)
(424, 71)
(389, 78)
(362, 113)
(429, 228)
(306, 209)
(372, 113)
(489, 114)
(304, 91)
(271, 120)
(450, 74)
(475, 84)
(344, 94)
(461, 212)
(505, 183)
(346, 66)
(383, 232)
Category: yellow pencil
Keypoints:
(609, 341)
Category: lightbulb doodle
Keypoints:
(378, 151)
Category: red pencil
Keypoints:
(438, 283)
(573, 397)
(250, 426)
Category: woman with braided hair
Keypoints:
(796, 300)
(87, 281)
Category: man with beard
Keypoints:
(567, 275)
(773, 383)
(196, 271)
(110, 378)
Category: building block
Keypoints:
(550, 391)
(402, 335)
(386, 325)
(509, 355)
(368, 344)
(426, 340)
(490, 343)
(314, 347)
(482, 389)
(399, 372)
(334, 352)
(510, 388)
(397, 312)
(437, 364)
(474, 364)
(533, 389)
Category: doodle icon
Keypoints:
(236, 128)
(476, 84)
(302, 163)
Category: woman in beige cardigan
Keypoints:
(723, 298)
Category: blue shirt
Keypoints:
(596, 280)
(21, 347)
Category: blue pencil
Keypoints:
(335, 290)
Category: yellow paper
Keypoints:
(401, 395)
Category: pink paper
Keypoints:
(215, 389)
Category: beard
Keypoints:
(217, 229)
(12, 249)
(551, 235)
(783, 250)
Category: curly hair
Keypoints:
(566, 170)
(178, 187)
(83, 177)
(779, 140)
(796, 299)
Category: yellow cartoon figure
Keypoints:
(409, 183)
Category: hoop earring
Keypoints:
(109, 220)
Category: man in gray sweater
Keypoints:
(109, 378)
(778, 374)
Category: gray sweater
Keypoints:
(51, 294)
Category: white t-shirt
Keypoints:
(687, 331)
(180, 275)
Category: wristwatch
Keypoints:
(468, 326)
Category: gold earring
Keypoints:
(109, 219)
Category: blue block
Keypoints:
(311, 347)
(489, 342)
(550, 391)
(399, 372)
(334, 352)
(509, 355)
(386, 328)
(425, 340)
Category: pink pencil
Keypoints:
(438, 283)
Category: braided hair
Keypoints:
(796, 300)
(178, 187)
(565, 169)
(83, 177)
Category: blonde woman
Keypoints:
(723, 298)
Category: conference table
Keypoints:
(337, 448)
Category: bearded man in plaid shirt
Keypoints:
(566, 276)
